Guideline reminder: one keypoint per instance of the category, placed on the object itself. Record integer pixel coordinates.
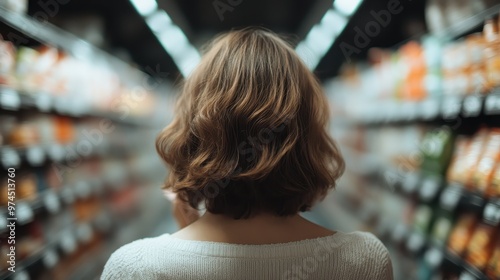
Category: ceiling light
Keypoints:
(188, 61)
(158, 21)
(318, 41)
(346, 7)
(333, 23)
(173, 40)
(310, 58)
(144, 7)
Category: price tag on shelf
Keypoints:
(21, 275)
(51, 202)
(10, 157)
(9, 99)
(67, 242)
(415, 242)
(491, 213)
(429, 108)
(24, 213)
(434, 257)
(492, 104)
(451, 106)
(50, 258)
(465, 275)
(429, 189)
(472, 106)
(450, 197)
(43, 102)
(35, 155)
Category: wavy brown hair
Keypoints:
(249, 135)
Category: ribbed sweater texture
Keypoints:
(356, 255)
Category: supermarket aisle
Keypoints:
(414, 90)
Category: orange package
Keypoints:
(480, 246)
(494, 189)
(471, 158)
(461, 233)
(461, 148)
(493, 268)
(484, 172)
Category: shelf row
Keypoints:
(13, 101)
(447, 108)
(52, 201)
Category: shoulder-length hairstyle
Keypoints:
(250, 131)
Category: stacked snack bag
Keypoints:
(475, 163)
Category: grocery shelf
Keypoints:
(452, 259)
(36, 155)
(462, 27)
(447, 108)
(13, 101)
(51, 35)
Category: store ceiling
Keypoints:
(125, 34)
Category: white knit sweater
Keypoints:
(347, 256)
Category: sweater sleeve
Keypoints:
(126, 263)
(381, 259)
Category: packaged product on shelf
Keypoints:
(423, 219)
(455, 62)
(7, 62)
(23, 134)
(481, 244)
(494, 189)
(413, 86)
(456, 166)
(41, 66)
(46, 129)
(25, 69)
(481, 179)
(493, 268)
(26, 187)
(87, 209)
(492, 53)
(436, 148)
(471, 158)
(433, 52)
(64, 130)
(461, 233)
(442, 226)
(476, 71)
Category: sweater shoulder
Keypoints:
(366, 252)
(133, 260)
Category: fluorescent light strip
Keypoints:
(171, 37)
(322, 36)
(144, 7)
(158, 21)
(346, 7)
(175, 42)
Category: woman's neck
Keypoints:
(259, 229)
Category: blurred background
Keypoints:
(413, 86)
